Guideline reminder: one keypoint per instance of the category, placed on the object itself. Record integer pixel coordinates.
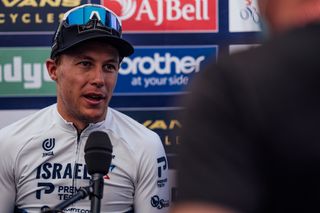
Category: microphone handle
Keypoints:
(97, 183)
(81, 194)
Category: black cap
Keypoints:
(98, 22)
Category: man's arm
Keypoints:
(152, 187)
(7, 183)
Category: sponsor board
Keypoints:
(244, 16)
(33, 16)
(166, 122)
(23, 72)
(161, 69)
(151, 70)
(166, 15)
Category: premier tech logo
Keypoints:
(166, 15)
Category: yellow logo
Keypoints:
(162, 124)
(41, 3)
(33, 15)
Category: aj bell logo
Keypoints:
(47, 145)
(166, 15)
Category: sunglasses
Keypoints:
(92, 17)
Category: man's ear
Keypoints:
(52, 68)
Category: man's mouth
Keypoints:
(94, 97)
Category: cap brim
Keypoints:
(124, 47)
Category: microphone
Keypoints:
(81, 194)
(98, 155)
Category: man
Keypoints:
(42, 156)
(251, 139)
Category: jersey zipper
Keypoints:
(76, 161)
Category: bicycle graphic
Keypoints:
(250, 11)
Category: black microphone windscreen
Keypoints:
(98, 153)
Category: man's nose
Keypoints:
(98, 77)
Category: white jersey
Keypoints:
(42, 164)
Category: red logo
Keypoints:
(166, 15)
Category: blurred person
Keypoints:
(42, 156)
(250, 137)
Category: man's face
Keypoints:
(86, 76)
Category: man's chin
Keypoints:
(94, 116)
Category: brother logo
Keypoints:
(162, 69)
(161, 64)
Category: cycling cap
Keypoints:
(86, 22)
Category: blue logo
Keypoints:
(162, 70)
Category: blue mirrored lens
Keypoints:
(82, 16)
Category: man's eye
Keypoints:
(85, 63)
(110, 68)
